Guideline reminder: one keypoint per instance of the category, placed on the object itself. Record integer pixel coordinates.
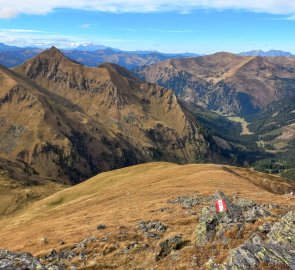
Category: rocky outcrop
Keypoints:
(274, 248)
(24, 261)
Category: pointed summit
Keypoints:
(54, 54)
(47, 63)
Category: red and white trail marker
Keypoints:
(220, 205)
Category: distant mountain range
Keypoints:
(271, 53)
(89, 55)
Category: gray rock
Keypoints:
(256, 213)
(276, 249)
(244, 203)
(83, 244)
(188, 201)
(265, 228)
(152, 229)
(23, 261)
(213, 225)
(166, 247)
(101, 227)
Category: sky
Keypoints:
(197, 26)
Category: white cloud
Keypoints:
(11, 8)
(20, 31)
(35, 38)
(7, 12)
(29, 37)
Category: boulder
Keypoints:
(214, 225)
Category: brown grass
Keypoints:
(120, 199)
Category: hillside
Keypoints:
(70, 122)
(52, 134)
(111, 213)
(274, 127)
(20, 186)
(228, 83)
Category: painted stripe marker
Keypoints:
(220, 206)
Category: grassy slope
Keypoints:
(123, 197)
(20, 186)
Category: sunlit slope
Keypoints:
(125, 196)
(20, 186)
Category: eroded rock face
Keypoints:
(276, 249)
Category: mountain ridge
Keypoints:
(97, 119)
(224, 82)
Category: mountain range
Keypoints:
(71, 137)
(68, 121)
(270, 53)
(93, 55)
(227, 83)
(89, 55)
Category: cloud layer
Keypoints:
(12, 8)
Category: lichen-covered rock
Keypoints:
(166, 247)
(221, 227)
(277, 249)
(255, 213)
(214, 225)
(151, 229)
(24, 261)
(189, 201)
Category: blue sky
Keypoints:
(179, 28)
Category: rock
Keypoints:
(276, 249)
(212, 224)
(22, 261)
(234, 212)
(104, 239)
(101, 227)
(265, 228)
(152, 229)
(83, 244)
(188, 201)
(256, 213)
(170, 244)
(244, 203)
(67, 254)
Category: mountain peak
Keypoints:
(53, 51)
